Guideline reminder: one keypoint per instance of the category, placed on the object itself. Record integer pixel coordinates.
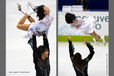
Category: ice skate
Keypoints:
(32, 6)
(103, 38)
(19, 8)
(95, 41)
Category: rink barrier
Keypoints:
(64, 38)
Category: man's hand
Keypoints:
(85, 41)
(34, 34)
(69, 38)
(44, 34)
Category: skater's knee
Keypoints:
(23, 26)
(18, 26)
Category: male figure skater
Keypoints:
(41, 56)
(80, 65)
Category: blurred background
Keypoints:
(93, 5)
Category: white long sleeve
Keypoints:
(40, 26)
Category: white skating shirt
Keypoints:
(39, 26)
(86, 25)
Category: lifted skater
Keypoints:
(36, 27)
(86, 26)
(41, 56)
(80, 65)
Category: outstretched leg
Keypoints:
(21, 24)
(95, 35)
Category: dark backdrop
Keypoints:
(99, 5)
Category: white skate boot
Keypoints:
(103, 38)
(95, 41)
(19, 8)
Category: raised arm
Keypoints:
(91, 49)
(71, 47)
(33, 44)
(45, 42)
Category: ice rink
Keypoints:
(98, 66)
(19, 60)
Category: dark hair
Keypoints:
(40, 12)
(41, 50)
(78, 62)
(77, 57)
(69, 17)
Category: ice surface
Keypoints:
(98, 66)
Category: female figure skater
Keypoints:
(86, 26)
(39, 26)
(80, 65)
